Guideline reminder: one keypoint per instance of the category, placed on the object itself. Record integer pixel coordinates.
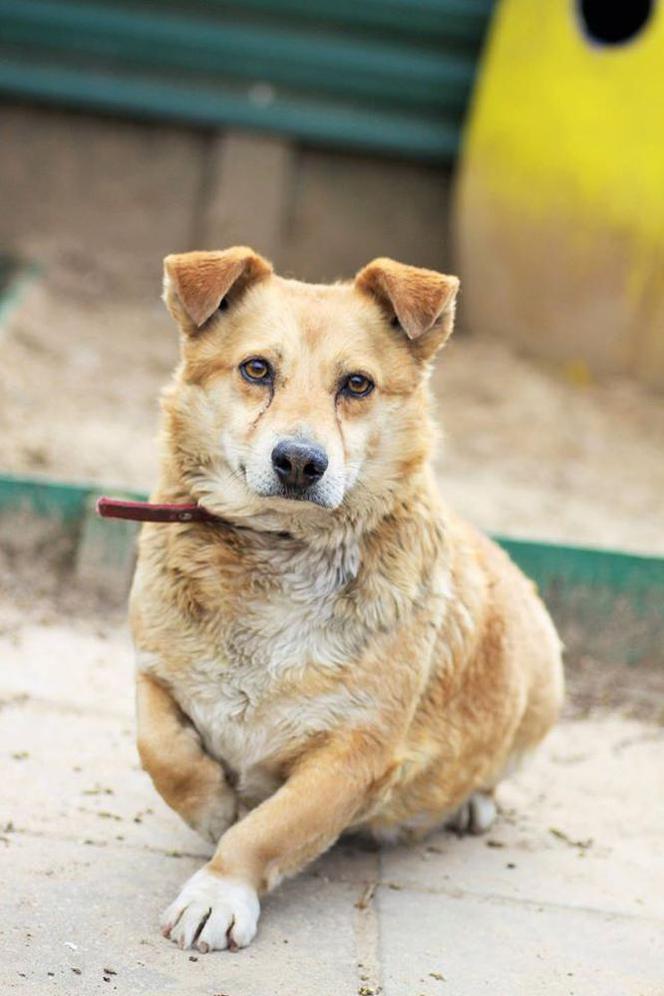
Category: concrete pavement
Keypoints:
(565, 895)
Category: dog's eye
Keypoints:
(256, 370)
(223, 304)
(357, 386)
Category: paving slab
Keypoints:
(564, 895)
(82, 665)
(513, 949)
(74, 912)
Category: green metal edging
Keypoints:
(49, 499)
(548, 563)
(545, 563)
(13, 286)
(607, 605)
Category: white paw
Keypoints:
(211, 913)
(475, 815)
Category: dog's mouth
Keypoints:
(322, 493)
(312, 495)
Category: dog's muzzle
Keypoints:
(298, 464)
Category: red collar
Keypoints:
(145, 511)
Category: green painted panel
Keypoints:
(433, 21)
(331, 65)
(393, 77)
(579, 566)
(15, 275)
(65, 502)
(548, 564)
(353, 127)
(607, 605)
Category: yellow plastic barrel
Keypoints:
(559, 209)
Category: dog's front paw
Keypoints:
(212, 912)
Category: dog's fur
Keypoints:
(361, 659)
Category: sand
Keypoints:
(528, 450)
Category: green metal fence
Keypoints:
(392, 76)
(15, 275)
(607, 604)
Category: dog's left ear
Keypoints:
(422, 301)
(196, 283)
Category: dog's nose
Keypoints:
(299, 463)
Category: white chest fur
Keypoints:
(237, 700)
(292, 621)
(223, 713)
(244, 727)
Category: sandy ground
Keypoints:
(528, 451)
(563, 896)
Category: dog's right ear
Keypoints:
(196, 284)
(420, 302)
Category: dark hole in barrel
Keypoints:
(613, 22)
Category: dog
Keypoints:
(337, 651)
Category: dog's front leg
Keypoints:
(187, 778)
(218, 907)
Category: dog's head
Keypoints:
(294, 395)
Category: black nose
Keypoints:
(298, 463)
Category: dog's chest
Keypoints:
(248, 722)
(292, 617)
(272, 684)
(225, 712)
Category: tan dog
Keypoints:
(342, 652)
